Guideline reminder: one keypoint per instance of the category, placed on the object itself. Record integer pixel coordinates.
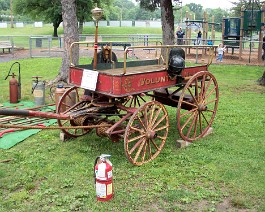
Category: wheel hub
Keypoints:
(202, 107)
(151, 134)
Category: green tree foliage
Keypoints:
(197, 9)
(50, 11)
(167, 17)
(4, 5)
(83, 8)
(127, 10)
(47, 10)
(248, 4)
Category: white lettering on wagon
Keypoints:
(89, 79)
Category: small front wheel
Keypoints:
(146, 133)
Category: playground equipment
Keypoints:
(202, 25)
(234, 29)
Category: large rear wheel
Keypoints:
(69, 103)
(197, 106)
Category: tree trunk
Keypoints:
(55, 31)
(56, 23)
(81, 26)
(167, 19)
(261, 80)
(70, 36)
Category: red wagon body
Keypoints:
(112, 82)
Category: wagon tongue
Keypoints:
(16, 112)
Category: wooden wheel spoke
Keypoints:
(189, 103)
(207, 86)
(211, 101)
(191, 125)
(208, 110)
(146, 118)
(161, 128)
(205, 118)
(210, 93)
(135, 129)
(188, 112)
(139, 150)
(196, 89)
(135, 138)
(64, 122)
(66, 105)
(187, 121)
(200, 121)
(152, 120)
(154, 144)
(135, 101)
(126, 102)
(159, 121)
(140, 142)
(202, 86)
(195, 127)
(192, 95)
(140, 98)
(73, 100)
(149, 150)
(161, 137)
(73, 107)
(144, 151)
(141, 122)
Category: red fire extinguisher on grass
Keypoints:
(103, 178)
(13, 89)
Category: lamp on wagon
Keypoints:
(96, 15)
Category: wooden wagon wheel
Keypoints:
(135, 101)
(146, 133)
(70, 102)
(197, 106)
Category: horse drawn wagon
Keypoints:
(128, 100)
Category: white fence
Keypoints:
(151, 24)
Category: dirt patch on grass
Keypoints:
(248, 58)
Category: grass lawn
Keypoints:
(222, 172)
(29, 30)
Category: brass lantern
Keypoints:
(97, 13)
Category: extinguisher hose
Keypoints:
(19, 78)
(33, 88)
(95, 168)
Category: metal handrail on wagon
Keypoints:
(212, 49)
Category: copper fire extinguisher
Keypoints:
(103, 178)
(14, 85)
(13, 89)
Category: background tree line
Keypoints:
(50, 11)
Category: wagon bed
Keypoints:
(120, 82)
